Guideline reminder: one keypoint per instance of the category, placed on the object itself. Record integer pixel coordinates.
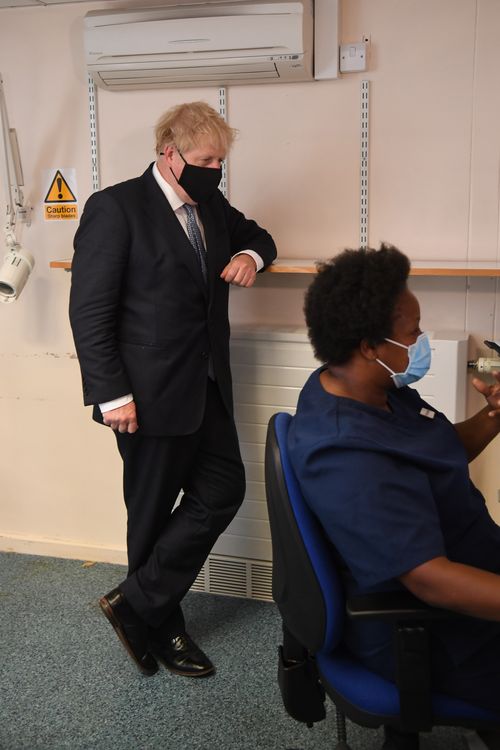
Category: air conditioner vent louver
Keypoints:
(142, 78)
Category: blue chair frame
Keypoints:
(308, 591)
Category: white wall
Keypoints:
(434, 192)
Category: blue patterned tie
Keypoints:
(196, 239)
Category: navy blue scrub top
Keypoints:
(392, 491)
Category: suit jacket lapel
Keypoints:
(160, 213)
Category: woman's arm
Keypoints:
(476, 432)
(450, 585)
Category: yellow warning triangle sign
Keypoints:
(59, 191)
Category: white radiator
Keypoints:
(269, 367)
(445, 385)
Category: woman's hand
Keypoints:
(490, 392)
(478, 431)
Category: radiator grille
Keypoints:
(261, 582)
(233, 576)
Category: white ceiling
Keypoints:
(25, 3)
(22, 3)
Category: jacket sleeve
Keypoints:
(246, 234)
(98, 272)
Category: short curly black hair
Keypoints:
(353, 298)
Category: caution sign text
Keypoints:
(60, 201)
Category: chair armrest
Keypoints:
(395, 606)
(411, 618)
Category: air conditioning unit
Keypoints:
(207, 44)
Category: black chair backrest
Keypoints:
(306, 586)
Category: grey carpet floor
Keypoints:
(67, 683)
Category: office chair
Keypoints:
(308, 591)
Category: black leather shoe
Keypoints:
(130, 629)
(182, 656)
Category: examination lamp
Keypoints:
(17, 263)
(17, 266)
(487, 364)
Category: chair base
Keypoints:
(396, 740)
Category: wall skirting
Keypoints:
(60, 548)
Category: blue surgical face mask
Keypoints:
(419, 361)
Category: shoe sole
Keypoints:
(110, 615)
(206, 672)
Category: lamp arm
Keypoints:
(11, 172)
(17, 263)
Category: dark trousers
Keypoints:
(167, 547)
(476, 680)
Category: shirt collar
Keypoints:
(167, 189)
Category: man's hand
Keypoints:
(490, 392)
(241, 270)
(123, 419)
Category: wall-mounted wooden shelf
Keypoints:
(454, 268)
(418, 268)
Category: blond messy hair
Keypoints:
(186, 125)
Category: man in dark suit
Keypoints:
(154, 257)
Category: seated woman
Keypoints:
(387, 475)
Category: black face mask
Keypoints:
(200, 183)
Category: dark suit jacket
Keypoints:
(143, 320)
